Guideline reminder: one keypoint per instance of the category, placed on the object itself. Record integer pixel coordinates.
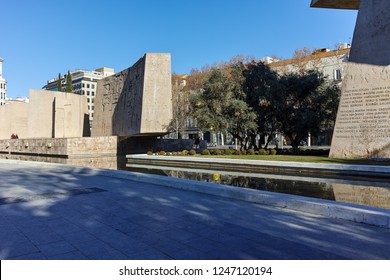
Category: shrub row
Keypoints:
(230, 152)
(215, 152)
(164, 153)
(306, 152)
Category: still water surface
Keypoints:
(369, 192)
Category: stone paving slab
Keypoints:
(132, 219)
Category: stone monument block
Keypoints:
(49, 114)
(136, 101)
(54, 114)
(336, 4)
(14, 120)
(363, 120)
(362, 127)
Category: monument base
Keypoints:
(362, 127)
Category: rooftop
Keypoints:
(317, 55)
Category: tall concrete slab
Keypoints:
(14, 118)
(362, 127)
(49, 114)
(54, 114)
(135, 101)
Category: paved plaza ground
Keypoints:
(47, 212)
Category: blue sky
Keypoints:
(42, 38)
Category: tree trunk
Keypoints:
(253, 141)
(241, 144)
(271, 136)
(260, 145)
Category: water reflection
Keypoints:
(375, 192)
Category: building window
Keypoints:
(93, 86)
(337, 74)
(83, 92)
(88, 92)
(93, 93)
(82, 85)
(87, 85)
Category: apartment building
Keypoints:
(329, 62)
(3, 85)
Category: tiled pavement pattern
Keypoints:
(132, 220)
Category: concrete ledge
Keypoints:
(330, 209)
(256, 165)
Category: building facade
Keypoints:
(83, 83)
(3, 85)
(330, 63)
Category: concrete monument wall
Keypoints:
(49, 114)
(363, 120)
(14, 120)
(101, 152)
(136, 101)
(362, 127)
(54, 114)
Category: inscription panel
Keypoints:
(362, 109)
(363, 121)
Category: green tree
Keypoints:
(180, 105)
(303, 103)
(220, 105)
(68, 87)
(258, 81)
(241, 121)
(209, 103)
(59, 83)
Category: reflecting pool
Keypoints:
(370, 192)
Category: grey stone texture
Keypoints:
(372, 34)
(86, 151)
(346, 196)
(135, 101)
(140, 220)
(102, 152)
(363, 121)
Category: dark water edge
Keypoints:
(372, 192)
